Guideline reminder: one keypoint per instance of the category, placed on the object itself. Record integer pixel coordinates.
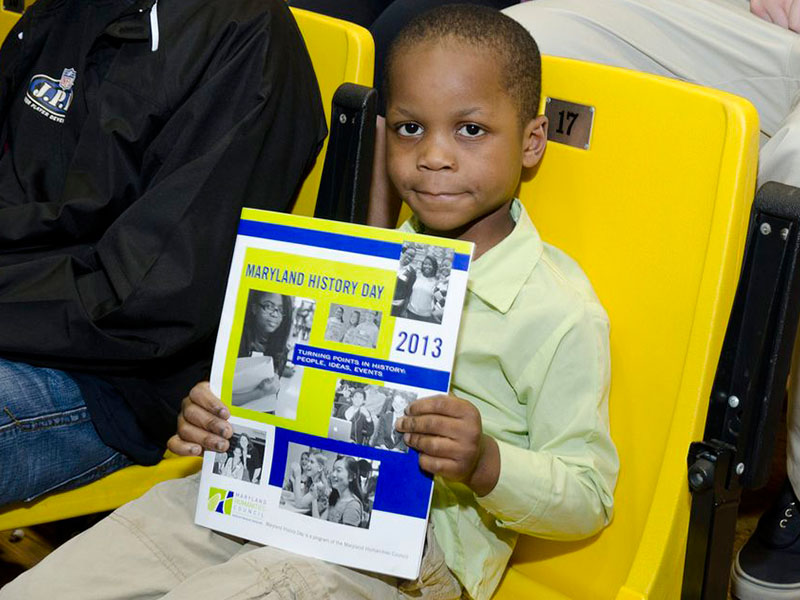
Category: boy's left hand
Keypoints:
(448, 433)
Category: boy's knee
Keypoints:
(286, 575)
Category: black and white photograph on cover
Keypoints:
(245, 456)
(303, 319)
(420, 292)
(329, 486)
(353, 325)
(264, 378)
(365, 414)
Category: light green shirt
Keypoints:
(533, 356)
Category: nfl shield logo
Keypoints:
(67, 79)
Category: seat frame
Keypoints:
(748, 392)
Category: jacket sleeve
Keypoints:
(244, 129)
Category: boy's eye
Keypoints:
(409, 129)
(471, 130)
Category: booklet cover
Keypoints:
(328, 331)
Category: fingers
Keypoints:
(777, 14)
(440, 404)
(447, 432)
(445, 467)
(433, 424)
(442, 415)
(772, 11)
(202, 396)
(794, 16)
(758, 9)
(204, 415)
(433, 445)
(183, 448)
(202, 423)
(199, 436)
(453, 458)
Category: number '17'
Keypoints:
(571, 118)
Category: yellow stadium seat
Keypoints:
(341, 52)
(656, 212)
(8, 17)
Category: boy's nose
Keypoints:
(436, 154)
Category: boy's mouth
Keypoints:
(440, 196)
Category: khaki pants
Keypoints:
(716, 43)
(151, 548)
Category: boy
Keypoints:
(522, 442)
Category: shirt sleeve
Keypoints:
(560, 487)
(151, 285)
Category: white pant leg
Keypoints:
(716, 43)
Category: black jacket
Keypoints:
(114, 252)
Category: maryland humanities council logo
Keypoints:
(220, 500)
(237, 505)
(51, 97)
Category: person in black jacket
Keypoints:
(131, 135)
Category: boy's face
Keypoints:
(455, 145)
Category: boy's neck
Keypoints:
(485, 232)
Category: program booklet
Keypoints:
(328, 331)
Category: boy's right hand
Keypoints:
(202, 424)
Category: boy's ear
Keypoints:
(534, 140)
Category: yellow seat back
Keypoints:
(340, 52)
(9, 18)
(655, 211)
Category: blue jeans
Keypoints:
(47, 439)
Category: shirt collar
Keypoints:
(499, 274)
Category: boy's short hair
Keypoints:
(483, 28)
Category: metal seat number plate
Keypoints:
(570, 123)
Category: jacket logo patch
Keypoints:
(51, 97)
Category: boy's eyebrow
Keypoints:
(403, 112)
(460, 114)
(465, 112)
